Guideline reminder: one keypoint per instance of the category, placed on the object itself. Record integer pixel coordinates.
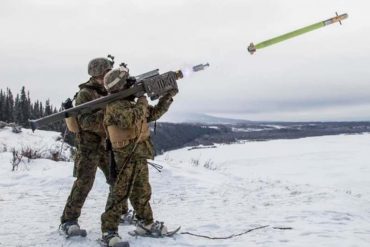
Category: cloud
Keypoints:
(47, 45)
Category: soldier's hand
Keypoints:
(167, 98)
(172, 93)
(142, 100)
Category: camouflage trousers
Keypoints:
(133, 184)
(86, 163)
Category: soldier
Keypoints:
(90, 140)
(127, 125)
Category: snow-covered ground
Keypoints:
(320, 187)
(42, 143)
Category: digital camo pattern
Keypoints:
(127, 114)
(90, 152)
(86, 163)
(133, 181)
(91, 123)
(98, 66)
(115, 79)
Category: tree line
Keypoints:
(20, 109)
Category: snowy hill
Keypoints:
(44, 144)
(188, 117)
(319, 187)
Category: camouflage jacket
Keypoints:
(127, 114)
(91, 124)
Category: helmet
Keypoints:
(98, 66)
(116, 79)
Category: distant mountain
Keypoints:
(199, 118)
(170, 136)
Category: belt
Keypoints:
(120, 144)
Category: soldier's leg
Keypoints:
(124, 207)
(103, 163)
(104, 167)
(141, 193)
(120, 192)
(86, 166)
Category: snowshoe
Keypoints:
(154, 230)
(72, 229)
(128, 218)
(112, 239)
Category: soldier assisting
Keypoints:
(90, 140)
(127, 124)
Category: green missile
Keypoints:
(252, 48)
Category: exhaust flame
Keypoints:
(187, 71)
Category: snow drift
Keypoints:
(319, 187)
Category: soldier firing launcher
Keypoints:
(151, 83)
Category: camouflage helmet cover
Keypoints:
(116, 79)
(98, 66)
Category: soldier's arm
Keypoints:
(157, 111)
(89, 121)
(124, 115)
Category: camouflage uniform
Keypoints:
(133, 181)
(90, 151)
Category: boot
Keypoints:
(112, 239)
(128, 218)
(72, 228)
(156, 229)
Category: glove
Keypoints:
(143, 102)
(169, 95)
(172, 93)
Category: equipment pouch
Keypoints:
(72, 124)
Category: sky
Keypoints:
(323, 75)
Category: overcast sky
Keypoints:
(45, 45)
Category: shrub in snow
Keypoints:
(31, 153)
(209, 165)
(52, 153)
(16, 160)
(195, 162)
(2, 124)
(15, 128)
(35, 145)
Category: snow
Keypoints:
(245, 129)
(317, 186)
(253, 129)
(44, 142)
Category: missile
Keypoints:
(200, 67)
(338, 18)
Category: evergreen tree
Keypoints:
(17, 113)
(41, 110)
(9, 106)
(29, 107)
(48, 108)
(21, 109)
(24, 108)
(35, 112)
(2, 104)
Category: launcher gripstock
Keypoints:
(151, 83)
